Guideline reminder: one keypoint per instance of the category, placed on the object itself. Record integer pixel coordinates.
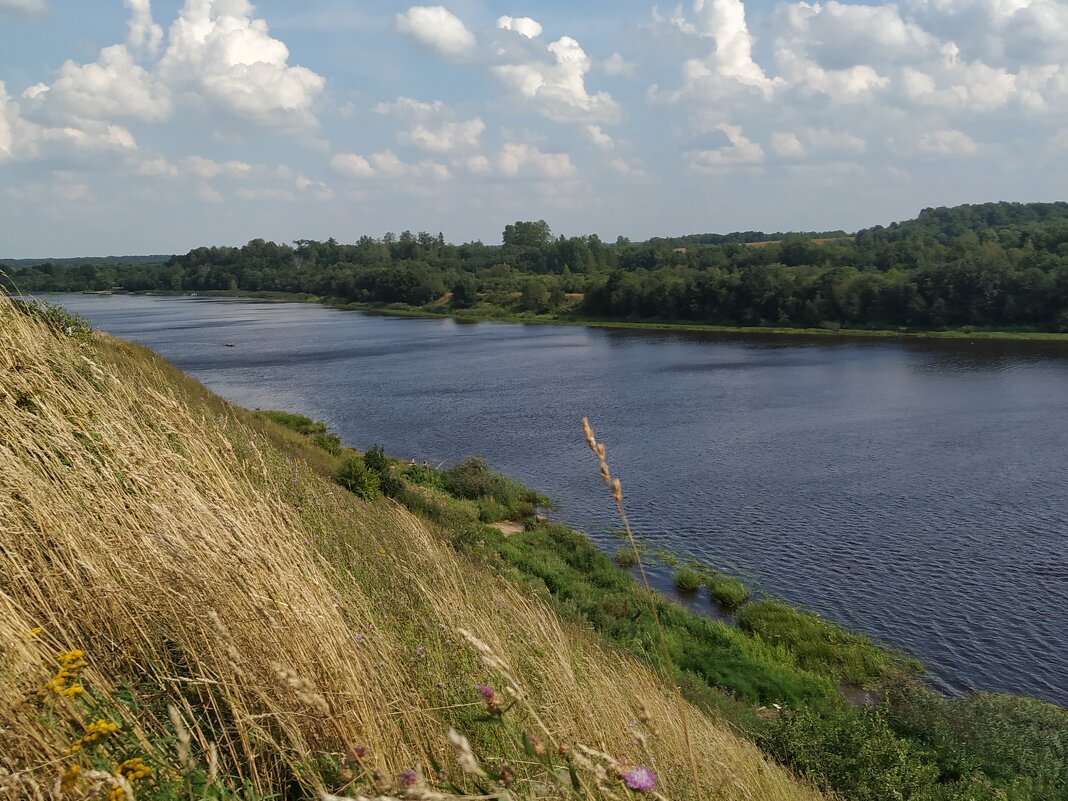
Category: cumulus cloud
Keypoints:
(523, 159)
(386, 164)
(738, 152)
(945, 143)
(599, 137)
(219, 50)
(787, 144)
(22, 7)
(143, 35)
(557, 87)
(438, 29)
(447, 137)
(112, 87)
(524, 26)
(208, 169)
(616, 65)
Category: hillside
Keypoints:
(189, 609)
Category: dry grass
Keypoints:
(198, 558)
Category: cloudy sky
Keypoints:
(148, 126)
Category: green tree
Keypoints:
(535, 295)
(464, 292)
(528, 234)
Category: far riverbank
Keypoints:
(486, 314)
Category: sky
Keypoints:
(141, 126)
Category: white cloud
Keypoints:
(948, 142)
(447, 137)
(112, 87)
(522, 159)
(524, 26)
(143, 34)
(207, 169)
(157, 167)
(352, 165)
(22, 7)
(739, 152)
(439, 29)
(787, 144)
(220, 51)
(412, 109)
(599, 137)
(386, 164)
(557, 89)
(616, 65)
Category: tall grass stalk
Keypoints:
(616, 485)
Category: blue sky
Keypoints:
(132, 126)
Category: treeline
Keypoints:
(996, 265)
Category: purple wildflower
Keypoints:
(358, 637)
(407, 778)
(485, 691)
(420, 652)
(640, 779)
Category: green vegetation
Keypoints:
(995, 267)
(357, 478)
(295, 597)
(814, 644)
(726, 590)
(625, 557)
(687, 579)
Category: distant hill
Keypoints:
(83, 260)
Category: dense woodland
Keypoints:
(995, 265)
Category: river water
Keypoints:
(913, 490)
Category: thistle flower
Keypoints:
(407, 778)
(640, 779)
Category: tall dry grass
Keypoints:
(200, 561)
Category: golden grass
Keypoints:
(196, 555)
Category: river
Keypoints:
(911, 489)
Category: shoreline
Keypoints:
(592, 322)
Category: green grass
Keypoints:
(687, 579)
(817, 645)
(727, 590)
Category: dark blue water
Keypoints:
(912, 490)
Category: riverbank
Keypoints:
(484, 314)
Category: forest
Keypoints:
(990, 266)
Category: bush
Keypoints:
(687, 580)
(295, 422)
(474, 480)
(489, 511)
(59, 319)
(375, 458)
(390, 485)
(727, 590)
(331, 443)
(354, 476)
(852, 751)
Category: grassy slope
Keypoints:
(197, 555)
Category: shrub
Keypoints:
(687, 579)
(295, 422)
(424, 476)
(59, 319)
(354, 476)
(489, 511)
(331, 443)
(375, 458)
(727, 590)
(852, 751)
(390, 485)
(625, 557)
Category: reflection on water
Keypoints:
(910, 489)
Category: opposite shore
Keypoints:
(443, 311)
